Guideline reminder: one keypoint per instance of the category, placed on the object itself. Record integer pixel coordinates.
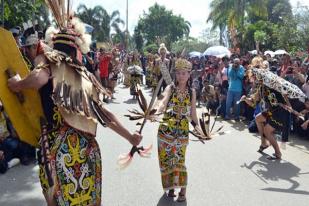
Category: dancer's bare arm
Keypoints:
(118, 127)
(35, 80)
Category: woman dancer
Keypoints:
(179, 106)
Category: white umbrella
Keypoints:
(280, 52)
(253, 52)
(195, 54)
(217, 51)
(271, 53)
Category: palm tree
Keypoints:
(231, 15)
(220, 15)
(102, 22)
(114, 22)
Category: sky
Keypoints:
(194, 11)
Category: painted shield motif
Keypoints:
(24, 109)
(279, 84)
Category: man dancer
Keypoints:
(69, 156)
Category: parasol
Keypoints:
(253, 52)
(195, 54)
(271, 53)
(217, 51)
(280, 52)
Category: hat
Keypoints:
(71, 31)
(31, 40)
(15, 31)
(162, 47)
(183, 64)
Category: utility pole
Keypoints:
(127, 29)
(2, 6)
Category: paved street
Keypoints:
(226, 171)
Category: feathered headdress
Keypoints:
(71, 31)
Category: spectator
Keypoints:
(8, 144)
(302, 126)
(104, 61)
(31, 50)
(235, 77)
(88, 61)
(305, 87)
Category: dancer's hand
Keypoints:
(135, 138)
(305, 125)
(13, 83)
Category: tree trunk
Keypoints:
(257, 44)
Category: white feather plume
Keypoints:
(49, 35)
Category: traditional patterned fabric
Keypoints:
(75, 168)
(274, 114)
(70, 162)
(173, 138)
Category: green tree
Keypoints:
(259, 37)
(302, 19)
(138, 39)
(99, 18)
(190, 44)
(277, 9)
(235, 15)
(17, 12)
(160, 22)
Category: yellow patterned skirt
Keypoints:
(172, 152)
(75, 168)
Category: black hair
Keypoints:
(69, 50)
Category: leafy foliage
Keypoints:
(103, 22)
(160, 22)
(17, 12)
(271, 22)
(190, 44)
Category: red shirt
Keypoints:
(103, 65)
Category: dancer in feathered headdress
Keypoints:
(70, 162)
(272, 99)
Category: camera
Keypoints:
(289, 70)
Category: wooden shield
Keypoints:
(25, 116)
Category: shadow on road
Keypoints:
(299, 143)
(240, 126)
(130, 101)
(20, 186)
(168, 201)
(268, 170)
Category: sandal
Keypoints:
(181, 197)
(171, 193)
(262, 148)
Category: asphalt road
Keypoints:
(225, 171)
